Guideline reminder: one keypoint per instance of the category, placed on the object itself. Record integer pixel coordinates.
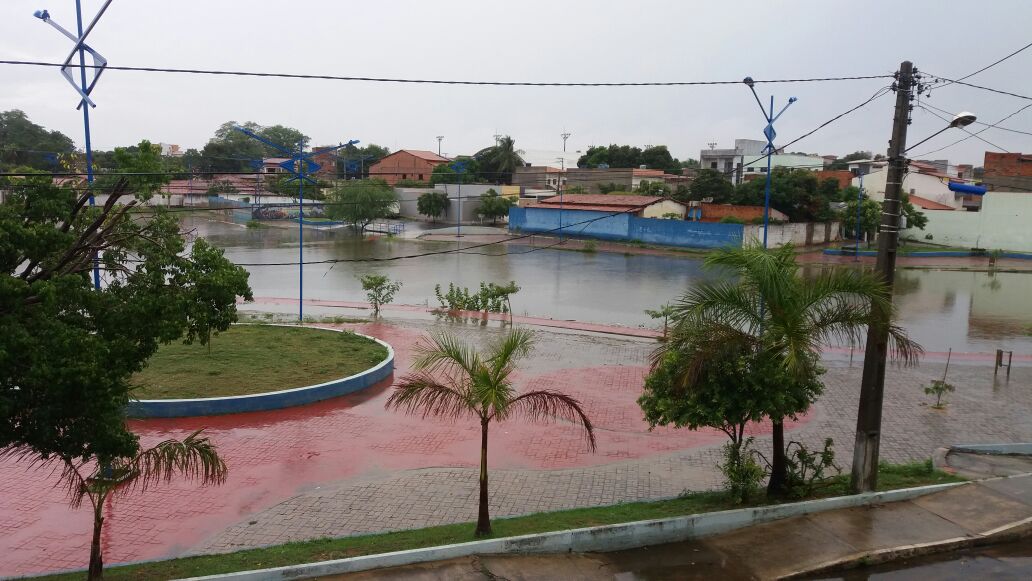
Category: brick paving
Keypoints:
(347, 466)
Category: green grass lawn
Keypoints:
(253, 359)
(890, 477)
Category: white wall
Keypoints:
(926, 186)
(1003, 223)
(792, 233)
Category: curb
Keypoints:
(1007, 533)
(270, 400)
(596, 539)
(1009, 449)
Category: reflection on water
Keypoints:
(966, 311)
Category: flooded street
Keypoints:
(965, 311)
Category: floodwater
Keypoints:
(962, 310)
(1000, 562)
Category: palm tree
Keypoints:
(194, 457)
(451, 379)
(770, 309)
(500, 160)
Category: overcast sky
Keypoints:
(529, 40)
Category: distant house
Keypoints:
(924, 183)
(592, 179)
(641, 206)
(406, 164)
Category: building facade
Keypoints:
(1008, 172)
(406, 164)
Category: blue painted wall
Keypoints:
(625, 227)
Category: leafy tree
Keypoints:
(230, 150)
(769, 309)
(611, 188)
(870, 217)
(915, 217)
(432, 204)
(68, 350)
(452, 379)
(286, 185)
(793, 191)
(380, 290)
(493, 206)
(710, 183)
(627, 156)
(663, 312)
(658, 157)
(575, 190)
(648, 188)
(690, 163)
(448, 173)
(360, 202)
(843, 162)
(101, 480)
(498, 162)
(353, 161)
(205, 301)
(221, 187)
(24, 143)
(143, 159)
(829, 189)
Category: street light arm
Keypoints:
(762, 109)
(785, 108)
(928, 138)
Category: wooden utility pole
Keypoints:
(872, 387)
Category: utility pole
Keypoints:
(565, 135)
(439, 138)
(872, 387)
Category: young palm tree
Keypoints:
(194, 457)
(453, 380)
(501, 160)
(768, 307)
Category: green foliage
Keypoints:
(491, 298)
(230, 150)
(217, 285)
(939, 388)
(626, 156)
(915, 217)
(647, 188)
(23, 143)
(144, 159)
(731, 220)
(380, 290)
(432, 204)
(610, 188)
(411, 184)
(221, 187)
(498, 162)
(576, 190)
(353, 161)
(809, 471)
(68, 350)
(254, 224)
(794, 192)
(589, 247)
(285, 186)
(493, 206)
(664, 312)
(447, 173)
(710, 183)
(870, 217)
(742, 473)
(360, 202)
(843, 162)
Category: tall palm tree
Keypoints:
(451, 379)
(768, 307)
(195, 458)
(500, 160)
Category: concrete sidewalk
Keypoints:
(978, 512)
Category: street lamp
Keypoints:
(439, 139)
(770, 134)
(962, 119)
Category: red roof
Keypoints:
(423, 154)
(926, 204)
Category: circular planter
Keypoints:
(270, 400)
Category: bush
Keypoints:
(808, 471)
(929, 237)
(252, 224)
(590, 247)
(491, 298)
(939, 388)
(380, 290)
(411, 184)
(742, 473)
(731, 220)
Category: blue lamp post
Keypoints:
(460, 170)
(770, 134)
(859, 204)
(82, 87)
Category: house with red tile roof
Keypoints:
(406, 164)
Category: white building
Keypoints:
(746, 161)
(928, 188)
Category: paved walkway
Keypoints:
(956, 517)
(347, 466)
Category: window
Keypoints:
(420, 177)
(404, 176)
(763, 170)
(713, 165)
(750, 169)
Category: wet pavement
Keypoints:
(1008, 562)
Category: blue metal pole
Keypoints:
(859, 203)
(458, 215)
(766, 192)
(301, 231)
(86, 125)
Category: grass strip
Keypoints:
(890, 477)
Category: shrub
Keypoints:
(731, 220)
(929, 236)
(939, 388)
(590, 247)
(742, 473)
(808, 471)
(380, 290)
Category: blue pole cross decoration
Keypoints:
(82, 87)
(297, 165)
(769, 149)
(460, 169)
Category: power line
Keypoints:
(442, 81)
(970, 135)
(989, 66)
(974, 86)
